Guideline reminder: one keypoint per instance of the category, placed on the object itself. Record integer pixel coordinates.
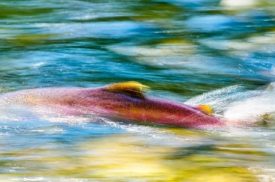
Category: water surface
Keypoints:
(205, 51)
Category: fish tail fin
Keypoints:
(205, 108)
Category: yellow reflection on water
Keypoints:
(120, 161)
(123, 158)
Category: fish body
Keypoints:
(124, 101)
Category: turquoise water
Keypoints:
(206, 51)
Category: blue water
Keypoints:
(219, 52)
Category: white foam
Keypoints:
(220, 98)
(38, 65)
(235, 104)
(213, 97)
(239, 3)
(157, 136)
(253, 109)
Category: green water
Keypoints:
(203, 51)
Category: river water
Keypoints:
(218, 52)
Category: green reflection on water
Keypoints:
(30, 39)
(13, 11)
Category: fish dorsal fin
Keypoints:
(131, 88)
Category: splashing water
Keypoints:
(235, 104)
(259, 108)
